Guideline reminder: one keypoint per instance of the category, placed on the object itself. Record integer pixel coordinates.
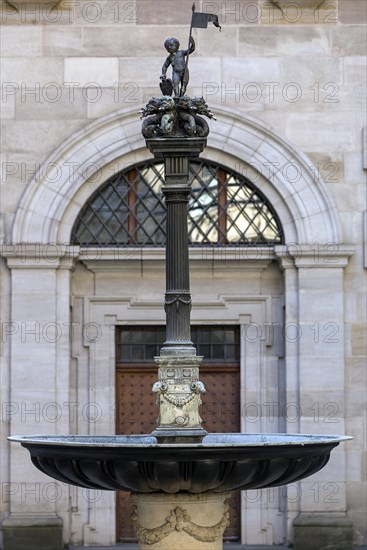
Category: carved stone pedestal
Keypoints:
(179, 390)
(180, 522)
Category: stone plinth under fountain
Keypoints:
(180, 475)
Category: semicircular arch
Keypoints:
(55, 196)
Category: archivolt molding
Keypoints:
(308, 4)
(21, 4)
(58, 191)
(40, 7)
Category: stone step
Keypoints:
(226, 546)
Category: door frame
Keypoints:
(257, 352)
(149, 367)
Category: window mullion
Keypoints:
(222, 206)
(132, 202)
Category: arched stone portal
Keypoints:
(101, 296)
(57, 192)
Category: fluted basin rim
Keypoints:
(219, 463)
(211, 440)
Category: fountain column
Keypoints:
(178, 521)
(178, 385)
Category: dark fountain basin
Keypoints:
(219, 463)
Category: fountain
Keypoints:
(180, 475)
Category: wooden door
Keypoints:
(136, 413)
(220, 413)
(136, 409)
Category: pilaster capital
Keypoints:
(39, 255)
(306, 4)
(30, 11)
(315, 255)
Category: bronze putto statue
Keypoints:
(180, 115)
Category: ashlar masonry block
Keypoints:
(323, 532)
(37, 534)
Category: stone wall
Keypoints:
(297, 67)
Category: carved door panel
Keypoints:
(136, 409)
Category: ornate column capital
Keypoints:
(166, 147)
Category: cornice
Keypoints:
(39, 256)
(316, 255)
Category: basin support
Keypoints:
(180, 521)
(178, 386)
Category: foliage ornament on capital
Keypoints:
(173, 117)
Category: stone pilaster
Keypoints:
(315, 343)
(39, 336)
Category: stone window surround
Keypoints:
(53, 199)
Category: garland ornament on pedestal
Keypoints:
(180, 520)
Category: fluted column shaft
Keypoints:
(176, 153)
(177, 297)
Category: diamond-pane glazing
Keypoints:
(225, 208)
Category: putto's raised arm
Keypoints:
(192, 46)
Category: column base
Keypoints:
(169, 435)
(180, 521)
(323, 532)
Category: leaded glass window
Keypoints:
(225, 208)
(139, 344)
